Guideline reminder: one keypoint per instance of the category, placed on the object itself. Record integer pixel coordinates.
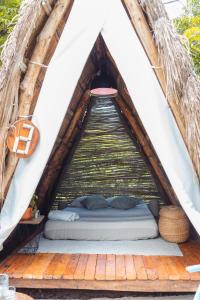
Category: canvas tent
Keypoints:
(161, 104)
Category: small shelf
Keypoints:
(34, 221)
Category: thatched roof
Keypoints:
(182, 85)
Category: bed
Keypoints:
(108, 224)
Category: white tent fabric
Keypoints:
(87, 19)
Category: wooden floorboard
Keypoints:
(105, 272)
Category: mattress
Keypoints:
(105, 225)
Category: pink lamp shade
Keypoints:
(104, 92)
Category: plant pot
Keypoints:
(28, 214)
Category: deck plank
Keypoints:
(100, 273)
(190, 259)
(110, 267)
(91, 267)
(151, 271)
(71, 267)
(130, 268)
(172, 271)
(139, 267)
(81, 266)
(162, 270)
(5, 264)
(120, 268)
(62, 262)
(48, 273)
(21, 263)
(29, 270)
(179, 264)
(38, 266)
(113, 272)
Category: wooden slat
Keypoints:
(61, 265)
(178, 262)
(5, 264)
(101, 267)
(12, 266)
(171, 268)
(130, 268)
(91, 267)
(110, 267)
(120, 268)
(20, 264)
(190, 259)
(39, 264)
(149, 264)
(81, 266)
(71, 267)
(139, 267)
(42, 264)
(160, 263)
(48, 273)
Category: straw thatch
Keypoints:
(12, 57)
(182, 84)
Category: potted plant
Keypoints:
(30, 211)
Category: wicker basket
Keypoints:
(173, 224)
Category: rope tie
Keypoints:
(37, 63)
(156, 67)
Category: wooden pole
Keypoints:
(146, 38)
(29, 82)
(39, 54)
(55, 163)
(145, 143)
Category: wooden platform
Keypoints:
(105, 272)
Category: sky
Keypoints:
(174, 7)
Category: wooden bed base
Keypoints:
(148, 286)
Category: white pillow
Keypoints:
(62, 215)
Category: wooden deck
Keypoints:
(105, 272)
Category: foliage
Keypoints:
(8, 17)
(189, 26)
(193, 7)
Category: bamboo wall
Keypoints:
(105, 159)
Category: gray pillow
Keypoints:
(93, 202)
(62, 205)
(77, 202)
(122, 202)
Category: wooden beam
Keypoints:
(29, 82)
(145, 35)
(39, 54)
(55, 163)
(109, 285)
(145, 143)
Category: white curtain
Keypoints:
(87, 19)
